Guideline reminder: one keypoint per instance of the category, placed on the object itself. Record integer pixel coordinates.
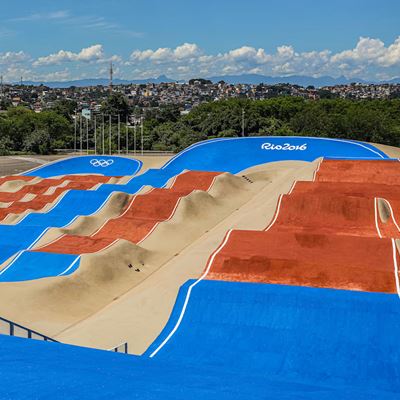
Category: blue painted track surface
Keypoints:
(35, 265)
(228, 155)
(103, 165)
(236, 341)
(322, 337)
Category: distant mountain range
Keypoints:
(98, 82)
(232, 79)
(293, 80)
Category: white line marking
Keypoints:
(210, 262)
(396, 268)
(269, 226)
(12, 262)
(291, 189)
(392, 213)
(376, 217)
(317, 169)
(74, 262)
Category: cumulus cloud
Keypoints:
(10, 57)
(166, 54)
(369, 59)
(88, 54)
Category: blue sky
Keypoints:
(47, 39)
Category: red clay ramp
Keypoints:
(42, 186)
(304, 259)
(348, 189)
(364, 171)
(139, 219)
(41, 200)
(8, 178)
(328, 214)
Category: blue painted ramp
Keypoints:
(319, 337)
(103, 165)
(236, 341)
(236, 154)
(29, 265)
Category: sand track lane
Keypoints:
(138, 220)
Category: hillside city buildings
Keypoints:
(186, 95)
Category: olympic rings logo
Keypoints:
(101, 163)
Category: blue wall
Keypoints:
(104, 165)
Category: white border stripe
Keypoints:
(210, 262)
(376, 217)
(396, 268)
(73, 263)
(278, 207)
(19, 254)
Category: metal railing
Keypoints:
(121, 348)
(11, 328)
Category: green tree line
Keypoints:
(166, 129)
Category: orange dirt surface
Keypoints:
(348, 189)
(365, 171)
(327, 214)
(42, 186)
(5, 179)
(337, 232)
(41, 200)
(306, 259)
(142, 214)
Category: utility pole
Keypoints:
(126, 139)
(243, 112)
(75, 127)
(87, 136)
(110, 136)
(119, 134)
(141, 131)
(80, 133)
(110, 88)
(134, 138)
(102, 132)
(95, 135)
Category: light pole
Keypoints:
(109, 145)
(141, 131)
(102, 134)
(134, 138)
(126, 139)
(95, 135)
(119, 134)
(75, 128)
(80, 134)
(243, 112)
(87, 136)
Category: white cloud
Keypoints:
(370, 59)
(10, 57)
(88, 54)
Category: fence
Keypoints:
(13, 329)
(122, 348)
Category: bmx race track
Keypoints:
(242, 268)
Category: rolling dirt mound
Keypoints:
(138, 220)
(14, 185)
